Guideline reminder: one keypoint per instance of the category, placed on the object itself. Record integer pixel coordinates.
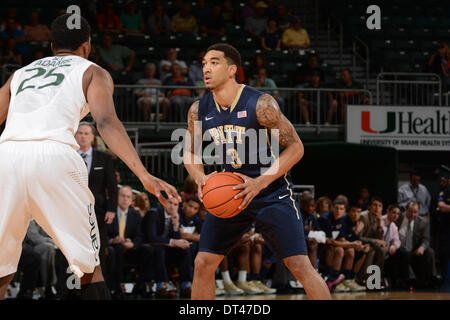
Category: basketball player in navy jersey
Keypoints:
(227, 113)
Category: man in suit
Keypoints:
(372, 233)
(414, 234)
(126, 241)
(161, 229)
(102, 183)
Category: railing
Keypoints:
(411, 89)
(315, 109)
(335, 26)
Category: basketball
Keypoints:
(218, 195)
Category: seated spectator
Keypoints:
(184, 22)
(11, 31)
(191, 224)
(414, 233)
(131, 21)
(89, 12)
(438, 63)
(196, 72)
(11, 14)
(341, 99)
(180, 99)
(310, 223)
(259, 61)
(108, 20)
(396, 264)
(295, 37)
(304, 73)
(414, 190)
(35, 31)
(308, 100)
(149, 97)
(213, 25)
(43, 245)
(248, 9)
(372, 234)
(142, 203)
(201, 12)
(112, 57)
(364, 198)
(262, 81)
(338, 252)
(257, 23)
(323, 205)
(354, 227)
(161, 229)
(271, 37)
(166, 64)
(189, 188)
(9, 54)
(229, 15)
(159, 21)
(126, 239)
(283, 17)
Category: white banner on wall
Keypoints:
(404, 128)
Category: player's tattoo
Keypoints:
(192, 118)
(269, 115)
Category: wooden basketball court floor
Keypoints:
(387, 295)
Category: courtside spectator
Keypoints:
(364, 198)
(415, 191)
(295, 37)
(189, 188)
(36, 31)
(310, 223)
(159, 21)
(149, 97)
(184, 22)
(131, 21)
(191, 224)
(166, 64)
(108, 20)
(142, 203)
(271, 37)
(323, 205)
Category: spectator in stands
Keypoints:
(11, 14)
(259, 61)
(159, 21)
(304, 73)
(89, 12)
(196, 72)
(148, 97)
(341, 99)
(9, 54)
(112, 57)
(184, 22)
(416, 191)
(201, 11)
(11, 31)
(308, 99)
(248, 10)
(257, 23)
(35, 31)
(166, 64)
(189, 188)
(142, 203)
(213, 25)
(396, 264)
(262, 81)
(310, 223)
(43, 245)
(414, 233)
(229, 15)
(295, 37)
(364, 198)
(323, 205)
(176, 7)
(131, 21)
(180, 99)
(372, 234)
(126, 240)
(283, 17)
(338, 253)
(108, 20)
(439, 64)
(161, 229)
(271, 37)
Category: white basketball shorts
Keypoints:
(46, 181)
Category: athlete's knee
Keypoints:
(338, 251)
(298, 263)
(349, 252)
(205, 262)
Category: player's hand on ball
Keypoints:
(250, 187)
(202, 183)
(155, 186)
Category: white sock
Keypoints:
(226, 276)
(242, 275)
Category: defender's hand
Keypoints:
(155, 186)
(250, 187)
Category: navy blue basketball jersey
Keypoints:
(243, 145)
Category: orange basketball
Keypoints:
(218, 195)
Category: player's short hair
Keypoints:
(412, 203)
(65, 38)
(375, 198)
(90, 125)
(339, 201)
(393, 206)
(195, 199)
(230, 53)
(354, 205)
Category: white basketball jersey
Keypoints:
(47, 101)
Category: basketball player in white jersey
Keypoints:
(41, 175)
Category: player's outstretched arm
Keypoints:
(99, 95)
(192, 149)
(5, 96)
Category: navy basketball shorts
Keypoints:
(276, 216)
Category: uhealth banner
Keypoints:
(404, 128)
